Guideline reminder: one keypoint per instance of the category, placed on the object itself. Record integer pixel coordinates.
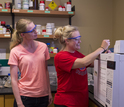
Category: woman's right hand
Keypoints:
(21, 105)
(105, 44)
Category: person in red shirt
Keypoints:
(71, 69)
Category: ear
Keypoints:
(22, 34)
(66, 41)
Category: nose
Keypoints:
(79, 41)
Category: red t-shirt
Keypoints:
(72, 88)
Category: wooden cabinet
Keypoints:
(9, 100)
(1, 100)
(6, 100)
(52, 105)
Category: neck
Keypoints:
(68, 50)
(29, 44)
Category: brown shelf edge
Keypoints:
(52, 54)
(19, 12)
(3, 36)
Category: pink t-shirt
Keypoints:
(33, 82)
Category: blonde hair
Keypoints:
(21, 26)
(63, 33)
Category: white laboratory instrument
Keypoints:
(108, 79)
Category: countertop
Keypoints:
(7, 91)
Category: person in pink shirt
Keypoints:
(30, 58)
(71, 69)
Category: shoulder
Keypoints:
(41, 44)
(16, 49)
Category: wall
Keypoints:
(118, 20)
(93, 17)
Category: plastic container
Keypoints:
(25, 4)
(48, 44)
(8, 82)
(38, 29)
(35, 4)
(1, 29)
(68, 6)
(60, 8)
(1, 6)
(44, 32)
(47, 8)
(41, 5)
(52, 46)
(63, 8)
(17, 4)
(48, 29)
(31, 4)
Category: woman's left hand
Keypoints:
(50, 99)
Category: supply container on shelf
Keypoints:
(17, 4)
(25, 4)
(35, 4)
(8, 82)
(48, 45)
(38, 29)
(31, 4)
(68, 6)
(41, 5)
(48, 29)
(52, 46)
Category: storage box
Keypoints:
(52, 4)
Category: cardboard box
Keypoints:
(52, 4)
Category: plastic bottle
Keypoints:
(31, 4)
(52, 46)
(48, 44)
(17, 4)
(25, 4)
(68, 6)
(49, 29)
(41, 5)
(60, 8)
(38, 29)
(35, 4)
(9, 80)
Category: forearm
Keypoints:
(87, 60)
(16, 92)
(91, 57)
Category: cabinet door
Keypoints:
(91, 104)
(52, 105)
(1, 100)
(9, 100)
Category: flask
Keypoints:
(35, 4)
(41, 5)
(68, 6)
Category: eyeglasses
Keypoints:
(76, 38)
(32, 30)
